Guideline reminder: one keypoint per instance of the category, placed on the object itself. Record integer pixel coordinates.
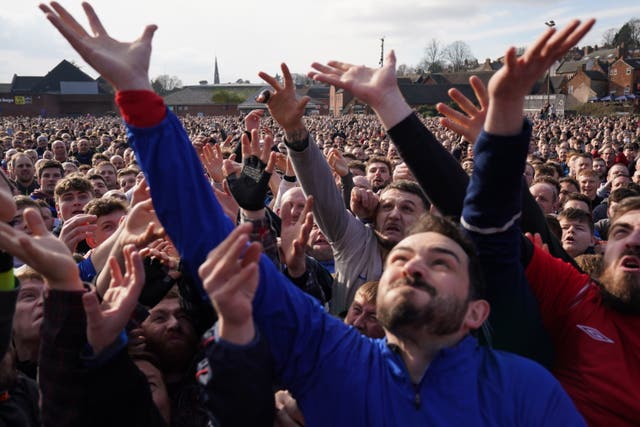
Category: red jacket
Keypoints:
(597, 348)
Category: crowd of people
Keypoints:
(480, 268)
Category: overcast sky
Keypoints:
(250, 35)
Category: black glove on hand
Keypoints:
(251, 186)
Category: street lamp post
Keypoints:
(549, 24)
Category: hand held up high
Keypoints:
(378, 87)
(124, 65)
(508, 87)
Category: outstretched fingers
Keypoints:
(270, 80)
(480, 90)
(94, 21)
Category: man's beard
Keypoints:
(620, 292)
(440, 316)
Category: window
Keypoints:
(570, 89)
(627, 89)
(628, 71)
(613, 72)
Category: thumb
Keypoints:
(148, 33)
(92, 309)
(35, 222)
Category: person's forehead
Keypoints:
(365, 305)
(568, 221)
(50, 171)
(31, 283)
(295, 195)
(397, 196)
(377, 165)
(426, 242)
(169, 305)
(632, 218)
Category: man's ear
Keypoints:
(477, 313)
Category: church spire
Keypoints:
(216, 75)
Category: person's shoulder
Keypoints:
(517, 372)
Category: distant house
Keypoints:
(65, 90)
(318, 104)
(586, 85)
(200, 100)
(624, 77)
(418, 90)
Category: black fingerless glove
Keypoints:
(250, 187)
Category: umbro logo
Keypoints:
(595, 334)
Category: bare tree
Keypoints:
(165, 83)
(459, 55)
(404, 70)
(609, 36)
(433, 60)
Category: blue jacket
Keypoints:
(339, 376)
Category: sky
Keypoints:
(250, 36)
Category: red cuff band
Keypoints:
(141, 108)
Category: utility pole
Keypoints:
(381, 51)
(549, 24)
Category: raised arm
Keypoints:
(493, 204)
(429, 162)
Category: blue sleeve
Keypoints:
(182, 196)
(299, 332)
(491, 213)
(87, 270)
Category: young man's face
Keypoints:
(426, 283)
(108, 172)
(72, 203)
(378, 175)
(23, 169)
(106, 225)
(588, 186)
(127, 182)
(577, 236)
(397, 211)
(48, 180)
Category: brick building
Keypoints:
(624, 76)
(64, 91)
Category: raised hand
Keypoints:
(284, 106)
(76, 229)
(230, 277)
(141, 226)
(42, 251)
(107, 319)
(250, 187)
(511, 83)
(363, 203)
(337, 163)
(211, 158)
(378, 87)
(124, 65)
(252, 120)
(294, 236)
(469, 125)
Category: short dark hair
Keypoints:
(73, 183)
(627, 205)
(574, 214)
(356, 164)
(408, 187)
(378, 159)
(50, 164)
(620, 194)
(104, 206)
(579, 197)
(437, 224)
